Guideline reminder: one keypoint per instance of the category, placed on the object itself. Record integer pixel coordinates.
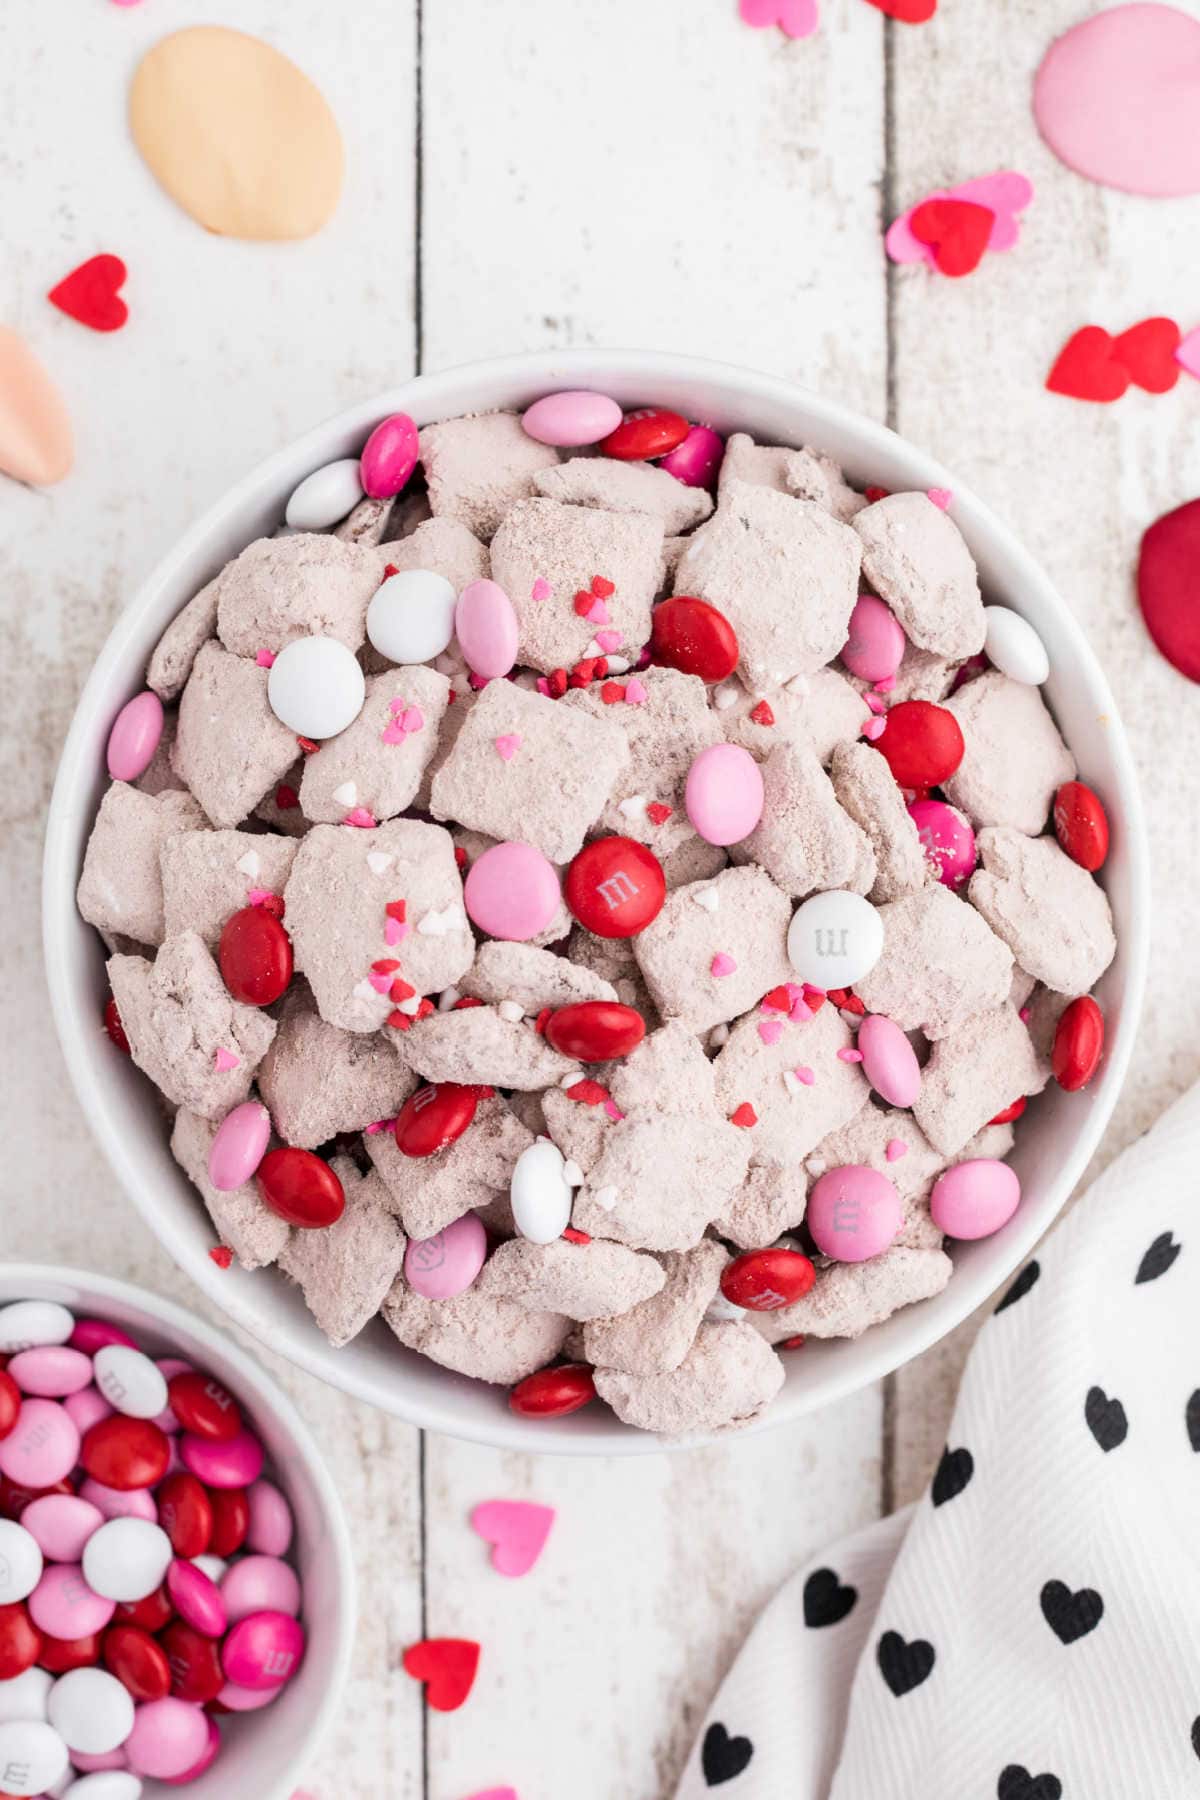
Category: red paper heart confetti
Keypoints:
(957, 231)
(1168, 581)
(909, 12)
(1147, 350)
(91, 294)
(1088, 367)
(447, 1666)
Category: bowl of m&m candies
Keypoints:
(176, 1579)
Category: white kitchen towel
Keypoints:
(1030, 1629)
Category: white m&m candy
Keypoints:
(835, 939)
(20, 1562)
(126, 1559)
(33, 1758)
(130, 1382)
(91, 1711)
(24, 1696)
(540, 1193)
(27, 1323)
(411, 617)
(316, 687)
(1014, 647)
(325, 496)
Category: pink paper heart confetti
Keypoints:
(1005, 194)
(517, 1531)
(505, 1793)
(795, 18)
(1188, 353)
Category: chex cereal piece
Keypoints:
(579, 1126)
(1044, 1009)
(818, 711)
(120, 890)
(478, 467)
(476, 1333)
(672, 549)
(916, 558)
(792, 1116)
(307, 585)
(378, 761)
(317, 1080)
(805, 841)
(1053, 916)
(453, 720)
(531, 977)
(891, 1142)
(280, 805)
(207, 876)
(430, 1192)
(846, 1298)
(784, 573)
(1022, 987)
(626, 487)
(867, 791)
(584, 1281)
(346, 1270)
(941, 962)
(244, 1221)
(366, 524)
(1014, 758)
(758, 465)
(444, 546)
(726, 1379)
(550, 790)
(184, 1026)
(972, 1074)
(748, 925)
(479, 1045)
(527, 1106)
(921, 676)
(691, 860)
(653, 1337)
(229, 748)
(565, 548)
(660, 1181)
(771, 1200)
(172, 658)
(614, 961)
(995, 1141)
(340, 887)
(667, 1073)
(811, 475)
(410, 510)
(666, 730)
(158, 777)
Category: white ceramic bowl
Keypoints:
(264, 1753)
(1059, 1132)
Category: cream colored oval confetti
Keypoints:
(36, 442)
(236, 134)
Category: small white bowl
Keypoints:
(1059, 1131)
(264, 1753)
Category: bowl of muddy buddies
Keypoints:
(597, 900)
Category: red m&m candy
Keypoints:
(595, 1030)
(1011, 1112)
(10, 1403)
(300, 1188)
(138, 1662)
(692, 636)
(615, 887)
(20, 1641)
(764, 1280)
(921, 743)
(255, 954)
(551, 1393)
(1078, 1044)
(204, 1407)
(1081, 824)
(150, 1614)
(231, 1520)
(61, 1655)
(185, 1514)
(194, 1661)
(114, 1027)
(125, 1453)
(435, 1116)
(651, 431)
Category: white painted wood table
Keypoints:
(541, 173)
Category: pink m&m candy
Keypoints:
(52, 1370)
(889, 1060)
(239, 1145)
(62, 1525)
(168, 1738)
(205, 1760)
(389, 457)
(446, 1264)
(696, 461)
(196, 1599)
(876, 640)
(724, 794)
(42, 1446)
(134, 737)
(263, 1650)
(269, 1532)
(242, 1699)
(64, 1606)
(87, 1408)
(259, 1584)
(512, 892)
(91, 1335)
(974, 1199)
(120, 1503)
(947, 840)
(571, 418)
(234, 1464)
(486, 627)
(854, 1213)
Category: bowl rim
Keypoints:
(546, 371)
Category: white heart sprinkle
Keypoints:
(719, 1035)
(816, 1165)
(250, 864)
(508, 1009)
(708, 898)
(634, 807)
(572, 1174)
(606, 1198)
(568, 1081)
(363, 990)
(448, 1000)
(438, 924)
(379, 862)
(724, 696)
(617, 665)
(346, 795)
(593, 648)
(411, 1006)
(791, 1082)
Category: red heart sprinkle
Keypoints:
(957, 231)
(591, 1093)
(460, 856)
(744, 1115)
(1088, 368)
(601, 589)
(778, 1000)
(401, 990)
(384, 966)
(556, 681)
(222, 1255)
(114, 1027)
(398, 910)
(909, 12)
(576, 1237)
(447, 1666)
(657, 813)
(390, 569)
(466, 1003)
(762, 714)
(1147, 350)
(398, 1021)
(425, 1008)
(286, 797)
(307, 745)
(612, 691)
(90, 293)
(877, 493)
(583, 603)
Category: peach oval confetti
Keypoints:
(36, 442)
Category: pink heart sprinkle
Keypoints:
(611, 640)
(886, 685)
(395, 931)
(1005, 194)
(812, 994)
(361, 818)
(804, 1073)
(396, 704)
(541, 589)
(874, 728)
(896, 1148)
(381, 983)
(265, 658)
(517, 1531)
(850, 1056)
(478, 682)
(543, 686)
(256, 896)
(801, 1012)
(941, 498)
(414, 718)
(722, 964)
(597, 613)
(635, 692)
(770, 1030)
(613, 1110)
(394, 733)
(795, 18)
(874, 702)
(225, 1059)
(378, 1125)
(1188, 353)
(507, 745)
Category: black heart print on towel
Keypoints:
(1105, 1419)
(826, 1601)
(1021, 1286)
(723, 1757)
(1016, 1783)
(904, 1666)
(1158, 1259)
(1196, 1736)
(953, 1473)
(1070, 1616)
(1193, 1420)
